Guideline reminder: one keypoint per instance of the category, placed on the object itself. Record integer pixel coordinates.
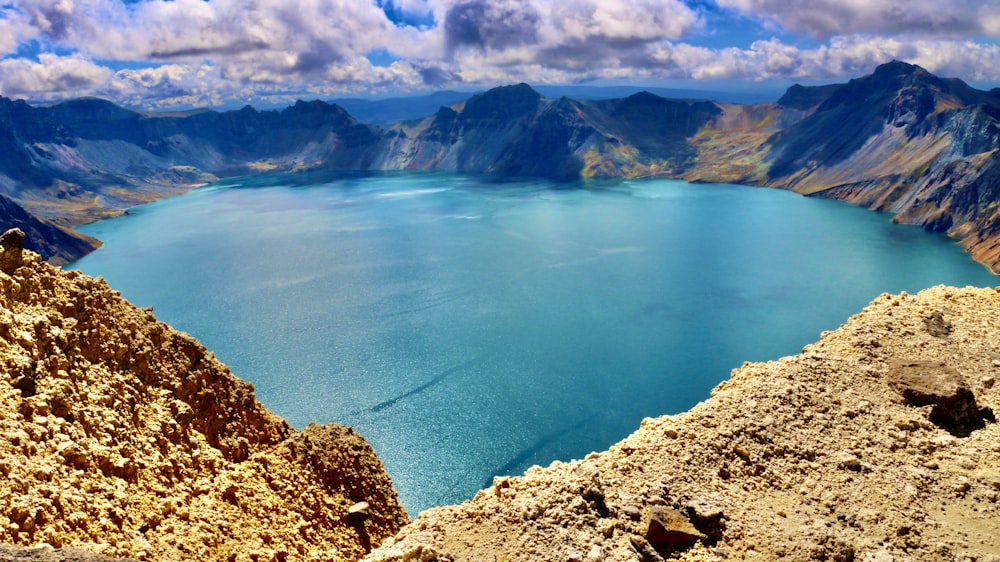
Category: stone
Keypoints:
(936, 325)
(848, 461)
(596, 554)
(11, 244)
(358, 513)
(934, 383)
(706, 513)
(13, 238)
(668, 530)
(705, 507)
(645, 550)
(359, 508)
(632, 512)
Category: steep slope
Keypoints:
(513, 131)
(898, 105)
(87, 159)
(900, 140)
(507, 131)
(56, 244)
(654, 131)
(126, 438)
(877, 443)
(903, 141)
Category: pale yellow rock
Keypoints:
(134, 441)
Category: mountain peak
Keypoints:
(521, 91)
(504, 102)
(643, 97)
(897, 68)
(803, 97)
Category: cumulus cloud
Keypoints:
(166, 85)
(51, 76)
(491, 24)
(14, 29)
(620, 21)
(269, 42)
(289, 38)
(823, 19)
(842, 57)
(198, 52)
(538, 39)
(558, 26)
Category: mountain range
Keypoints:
(899, 140)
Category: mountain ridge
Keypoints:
(899, 140)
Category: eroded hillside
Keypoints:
(878, 443)
(124, 437)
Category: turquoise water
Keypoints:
(470, 328)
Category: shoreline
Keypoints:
(281, 399)
(813, 456)
(965, 241)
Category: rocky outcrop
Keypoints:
(834, 454)
(125, 438)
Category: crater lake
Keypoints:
(469, 327)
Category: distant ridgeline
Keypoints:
(900, 140)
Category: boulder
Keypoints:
(668, 530)
(11, 244)
(936, 325)
(934, 383)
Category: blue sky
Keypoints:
(182, 53)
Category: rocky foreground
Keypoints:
(126, 439)
(876, 444)
(123, 437)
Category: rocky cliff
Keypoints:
(59, 244)
(125, 438)
(878, 443)
(513, 131)
(902, 141)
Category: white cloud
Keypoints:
(292, 37)
(51, 77)
(919, 18)
(619, 20)
(204, 52)
(14, 29)
(841, 58)
(166, 85)
(563, 26)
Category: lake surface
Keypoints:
(470, 328)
